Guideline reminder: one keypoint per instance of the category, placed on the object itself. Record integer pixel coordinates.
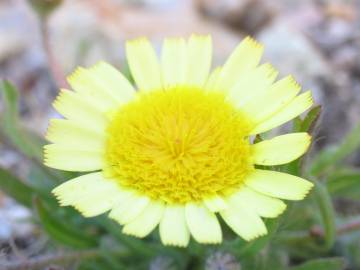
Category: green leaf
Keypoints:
(22, 140)
(10, 95)
(310, 120)
(297, 122)
(322, 264)
(330, 157)
(303, 125)
(242, 248)
(255, 246)
(352, 251)
(39, 180)
(63, 231)
(345, 184)
(19, 190)
(15, 188)
(327, 212)
(308, 123)
(130, 242)
(26, 142)
(272, 258)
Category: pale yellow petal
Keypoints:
(274, 99)
(263, 205)
(67, 158)
(75, 107)
(246, 56)
(113, 82)
(102, 85)
(281, 149)
(199, 55)
(278, 185)
(211, 82)
(142, 225)
(215, 203)
(144, 64)
(91, 194)
(203, 224)
(83, 83)
(296, 107)
(244, 221)
(174, 62)
(130, 208)
(173, 227)
(76, 135)
(252, 84)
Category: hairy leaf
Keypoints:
(61, 230)
(16, 188)
(322, 264)
(332, 156)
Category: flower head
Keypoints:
(179, 150)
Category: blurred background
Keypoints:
(41, 41)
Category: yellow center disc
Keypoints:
(178, 145)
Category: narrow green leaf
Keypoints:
(142, 248)
(300, 244)
(242, 248)
(303, 125)
(323, 160)
(39, 180)
(350, 144)
(310, 120)
(10, 95)
(297, 122)
(15, 188)
(132, 243)
(308, 123)
(327, 212)
(255, 246)
(275, 258)
(345, 185)
(352, 252)
(322, 264)
(332, 156)
(26, 142)
(21, 191)
(61, 230)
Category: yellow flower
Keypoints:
(179, 150)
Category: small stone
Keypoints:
(222, 261)
(246, 15)
(14, 220)
(292, 53)
(162, 263)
